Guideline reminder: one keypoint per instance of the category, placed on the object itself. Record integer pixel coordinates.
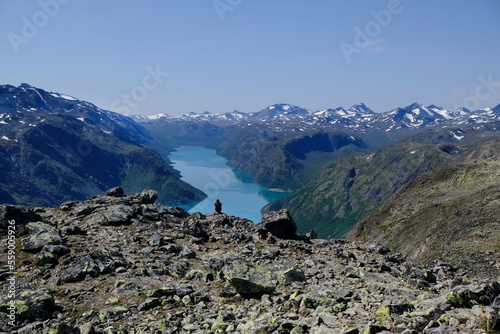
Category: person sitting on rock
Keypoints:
(218, 206)
(313, 234)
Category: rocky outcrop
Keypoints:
(21, 215)
(163, 270)
(40, 235)
(280, 224)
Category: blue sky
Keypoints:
(177, 56)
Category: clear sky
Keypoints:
(177, 56)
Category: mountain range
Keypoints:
(340, 164)
(359, 117)
(261, 142)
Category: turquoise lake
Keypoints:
(204, 169)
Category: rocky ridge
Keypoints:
(125, 264)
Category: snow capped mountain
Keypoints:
(360, 109)
(26, 107)
(278, 110)
(359, 117)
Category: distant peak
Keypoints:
(362, 107)
(415, 105)
(25, 85)
(157, 116)
(286, 108)
(463, 109)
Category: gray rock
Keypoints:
(249, 279)
(50, 254)
(58, 250)
(187, 253)
(149, 303)
(115, 192)
(162, 292)
(148, 196)
(39, 235)
(44, 258)
(219, 219)
(193, 227)
(292, 275)
(19, 214)
(113, 215)
(171, 249)
(280, 224)
(383, 250)
(73, 230)
(87, 328)
(31, 305)
(98, 262)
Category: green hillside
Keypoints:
(451, 214)
(350, 187)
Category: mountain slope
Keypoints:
(451, 214)
(286, 161)
(56, 148)
(350, 187)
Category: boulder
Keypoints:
(113, 215)
(115, 192)
(292, 275)
(31, 305)
(50, 254)
(280, 224)
(249, 279)
(148, 196)
(219, 219)
(39, 235)
(21, 215)
(101, 261)
(193, 227)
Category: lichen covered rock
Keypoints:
(249, 279)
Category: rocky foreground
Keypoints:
(125, 264)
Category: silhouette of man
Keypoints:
(218, 206)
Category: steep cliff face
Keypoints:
(451, 214)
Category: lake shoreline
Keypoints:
(240, 196)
